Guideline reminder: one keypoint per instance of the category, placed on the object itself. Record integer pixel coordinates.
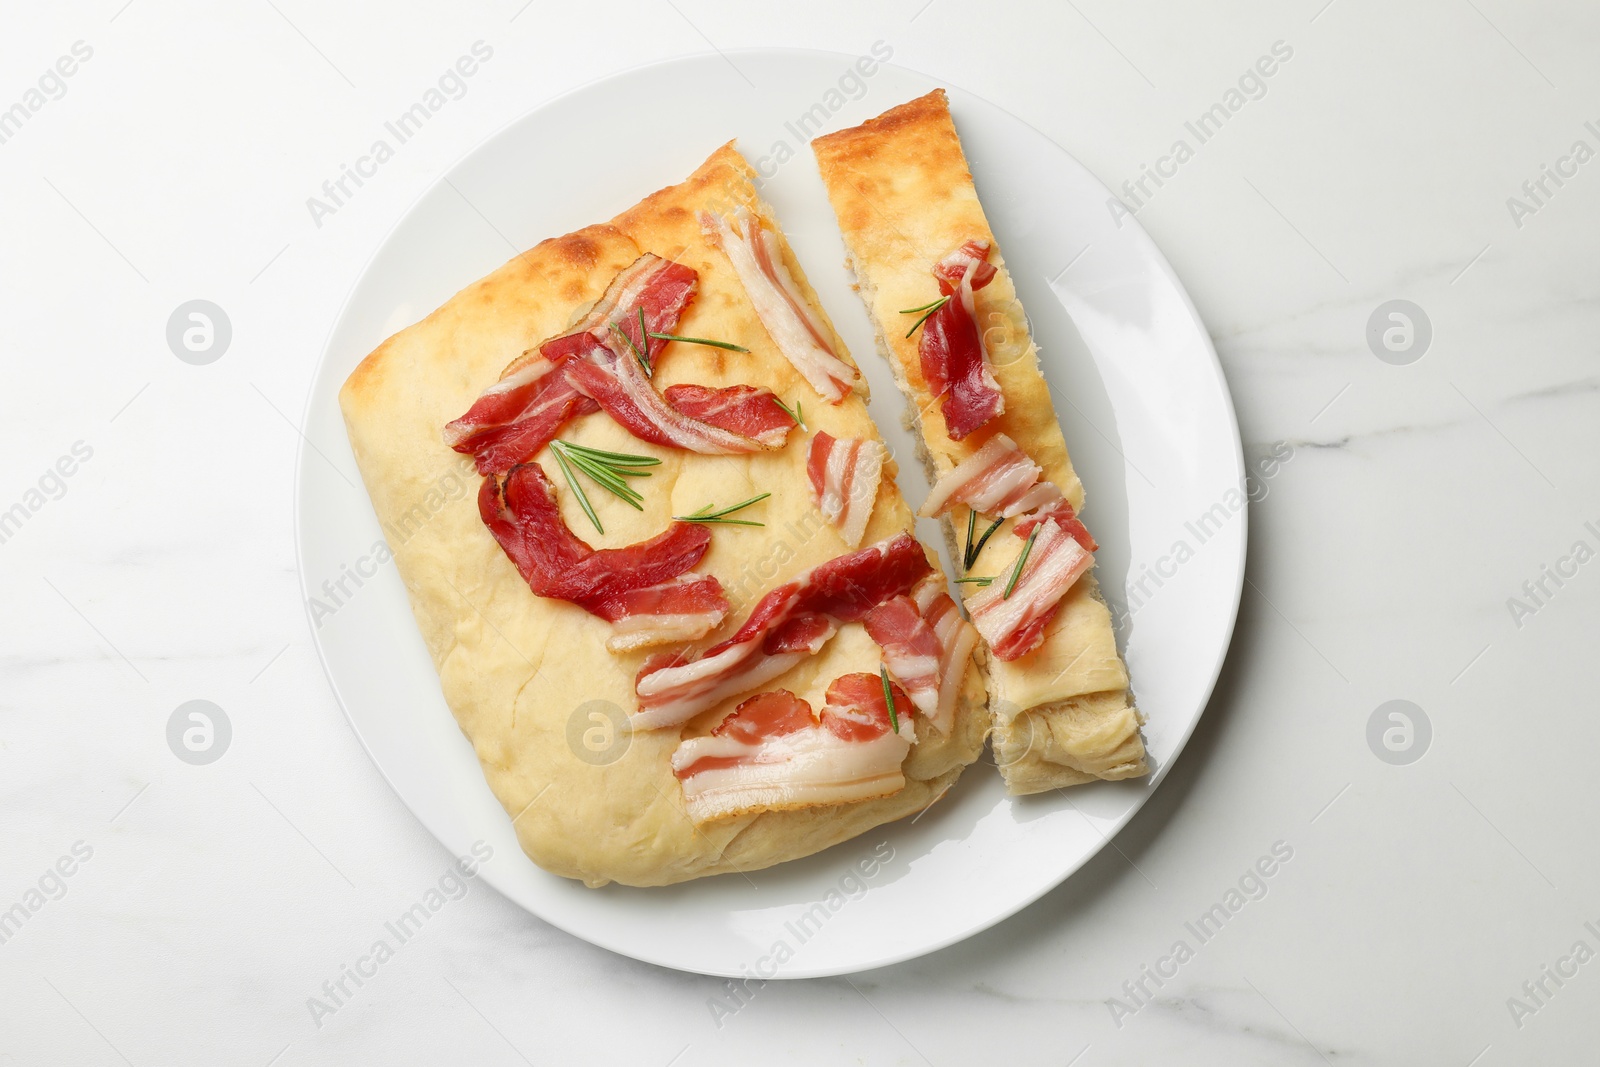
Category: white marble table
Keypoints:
(1420, 543)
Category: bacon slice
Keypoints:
(926, 647)
(766, 715)
(738, 665)
(599, 358)
(772, 754)
(951, 349)
(753, 251)
(911, 650)
(686, 608)
(974, 253)
(613, 379)
(659, 286)
(517, 416)
(596, 366)
(750, 410)
(804, 632)
(1060, 512)
(857, 711)
(1014, 626)
(957, 639)
(1000, 479)
(534, 398)
(845, 475)
(997, 479)
(675, 688)
(648, 588)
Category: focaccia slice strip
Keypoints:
(905, 199)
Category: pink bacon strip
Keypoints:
(855, 709)
(926, 647)
(603, 365)
(685, 608)
(1014, 625)
(1000, 479)
(774, 754)
(614, 380)
(951, 352)
(1060, 512)
(790, 623)
(533, 400)
(648, 589)
(844, 475)
(744, 409)
(659, 286)
(517, 416)
(757, 260)
(593, 367)
(973, 254)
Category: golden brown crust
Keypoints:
(523, 674)
(904, 197)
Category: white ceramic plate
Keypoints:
(1148, 420)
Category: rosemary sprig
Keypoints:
(926, 309)
(888, 698)
(605, 469)
(577, 490)
(1016, 572)
(644, 360)
(982, 580)
(973, 550)
(706, 515)
(699, 341)
(794, 412)
(619, 459)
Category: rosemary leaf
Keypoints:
(706, 515)
(577, 489)
(609, 481)
(605, 469)
(794, 412)
(927, 310)
(888, 698)
(621, 459)
(1022, 560)
(983, 540)
(699, 341)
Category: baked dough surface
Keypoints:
(524, 675)
(904, 197)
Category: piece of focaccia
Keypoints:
(659, 688)
(949, 323)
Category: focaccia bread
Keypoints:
(547, 707)
(907, 207)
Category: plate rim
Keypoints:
(1139, 234)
